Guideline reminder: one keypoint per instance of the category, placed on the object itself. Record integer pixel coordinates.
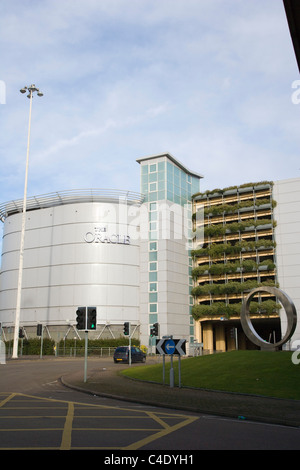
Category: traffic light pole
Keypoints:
(127, 332)
(130, 349)
(85, 355)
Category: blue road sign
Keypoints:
(170, 346)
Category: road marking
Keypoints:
(67, 434)
(81, 418)
(137, 445)
(157, 419)
(3, 402)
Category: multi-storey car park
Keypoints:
(236, 256)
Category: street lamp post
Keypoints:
(31, 89)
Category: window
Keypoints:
(153, 308)
(152, 318)
(153, 186)
(153, 246)
(152, 167)
(152, 226)
(153, 297)
(153, 256)
(153, 266)
(152, 177)
(153, 276)
(153, 215)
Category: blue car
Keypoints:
(121, 354)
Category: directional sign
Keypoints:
(171, 346)
(180, 347)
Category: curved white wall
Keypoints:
(75, 255)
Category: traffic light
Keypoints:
(21, 333)
(91, 318)
(155, 329)
(126, 329)
(80, 318)
(39, 329)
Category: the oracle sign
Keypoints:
(100, 235)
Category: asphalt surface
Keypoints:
(108, 382)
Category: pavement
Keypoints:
(108, 382)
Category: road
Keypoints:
(38, 412)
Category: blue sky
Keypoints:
(209, 81)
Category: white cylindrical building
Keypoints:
(81, 249)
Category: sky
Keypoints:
(209, 81)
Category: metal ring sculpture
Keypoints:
(290, 311)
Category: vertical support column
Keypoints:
(208, 337)
(220, 338)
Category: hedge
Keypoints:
(266, 307)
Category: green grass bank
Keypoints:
(270, 374)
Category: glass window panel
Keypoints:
(153, 308)
(152, 167)
(152, 196)
(170, 196)
(153, 235)
(153, 286)
(153, 186)
(153, 266)
(153, 246)
(144, 179)
(170, 169)
(153, 216)
(161, 176)
(153, 297)
(152, 319)
(153, 256)
(152, 177)
(161, 195)
(161, 185)
(153, 276)
(170, 186)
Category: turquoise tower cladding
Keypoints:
(165, 250)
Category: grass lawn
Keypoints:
(256, 372)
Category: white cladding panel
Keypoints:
(75, 255)
(287, 234)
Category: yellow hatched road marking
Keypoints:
(137, 445)
(160, 417)
(67, 433)
(3, 402)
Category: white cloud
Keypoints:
(208, 80)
